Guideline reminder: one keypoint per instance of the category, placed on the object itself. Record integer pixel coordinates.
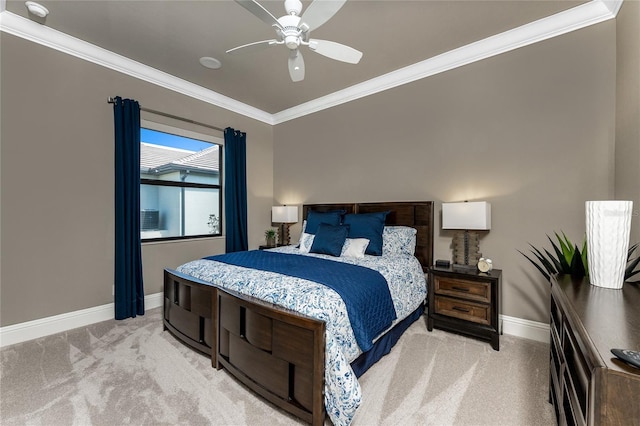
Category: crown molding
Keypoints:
(41, 34)
(613, 5)
(561, 23)
(581, 16)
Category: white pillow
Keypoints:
(354, 247)
(306, 240)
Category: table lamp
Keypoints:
(285, 216)
(466, 217)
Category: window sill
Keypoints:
(183, 240)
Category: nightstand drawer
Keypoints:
(469, 311)
(470, 290)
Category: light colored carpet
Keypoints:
(133, 372)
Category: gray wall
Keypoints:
(531, 131)
(628, 110)
(57, 181)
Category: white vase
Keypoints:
(608, 226)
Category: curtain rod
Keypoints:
(175, 117)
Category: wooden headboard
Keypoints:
(416, 214)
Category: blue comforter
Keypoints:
(364, 291)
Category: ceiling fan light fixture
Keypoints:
(292, 42)
(209, 62)
(37, 9)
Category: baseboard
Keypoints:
(525, 328)
(29, 330)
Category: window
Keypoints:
(180, 185)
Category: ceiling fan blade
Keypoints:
(320, 11)
(258, 10)
(296, 66)
(252, 47)
(336, 51)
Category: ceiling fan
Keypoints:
(293, 30)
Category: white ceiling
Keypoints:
(401, 41)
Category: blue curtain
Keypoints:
(235, 190)
(129, 292)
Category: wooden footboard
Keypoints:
(277, 353)
(189, 307)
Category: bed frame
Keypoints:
(276, 352)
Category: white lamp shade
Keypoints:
(284, 214)
(468, 215)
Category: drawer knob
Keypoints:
(460, 288)
(458, 308)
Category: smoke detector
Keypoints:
(37, 9)
(210, 62)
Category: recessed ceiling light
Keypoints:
(210, 62)
(37, 9)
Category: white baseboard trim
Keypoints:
(29, 330)
(525, 328)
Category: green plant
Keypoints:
(566, 259)
(569, 259)
(270, 234)
(632, 263)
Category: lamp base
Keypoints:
(464, 268)
(284, 238)
(466, 246)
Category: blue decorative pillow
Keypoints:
(369, 226)
(315, 218)
(329, 239)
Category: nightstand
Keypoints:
(465, 302)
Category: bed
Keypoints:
(285, 338)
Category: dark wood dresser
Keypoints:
(588, 385)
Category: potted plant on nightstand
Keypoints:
(270, 237)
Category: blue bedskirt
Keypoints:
(384, 344)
